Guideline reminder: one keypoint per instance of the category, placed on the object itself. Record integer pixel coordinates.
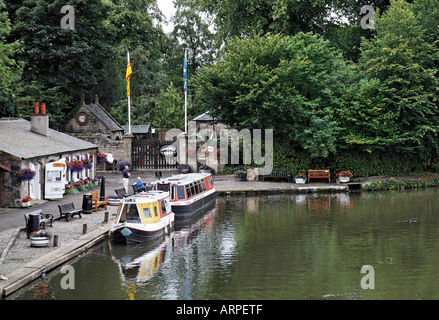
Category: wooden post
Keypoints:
(106, 217)
(55, 240)
(84, 228)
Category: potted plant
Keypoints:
(344, 176)
(300, 178)
(205, 169)
(183, 168)
(241, 174)
(27, 202)
(39, 238)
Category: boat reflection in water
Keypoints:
(138, 263)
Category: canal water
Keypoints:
(273, 247)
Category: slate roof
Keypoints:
(204, 117)
(104, 117)
(17, 139)
(138, 128)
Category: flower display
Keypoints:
(26, 174)
(75, 165)
(301, 175)
(26, 199)
(102, 157)
(88, 163)
(344, 174)
(182, 167)
(40, 233)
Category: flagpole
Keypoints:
(129, 102)
(185, 91)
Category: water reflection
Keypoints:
(303, 246)
(139, 263)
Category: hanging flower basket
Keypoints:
(102, 157)
(88, 163)
(75, 165)
(26, 174)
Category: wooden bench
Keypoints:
(278, 173)
(42, 218)
(67, 209)
(319, 174)
(98, 201)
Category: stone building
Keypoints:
(94, 124)
(32, 144)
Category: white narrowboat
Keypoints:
(189, 192)
(143, 217)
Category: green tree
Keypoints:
(10, 69)
(169, 110)
(69, 60)
(402, 59)
(284, 83)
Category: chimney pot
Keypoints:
(43, 108)
(36, 108)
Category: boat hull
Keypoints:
(131, 233)
(136, 236)
(186, 211)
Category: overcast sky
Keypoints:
(167, 8)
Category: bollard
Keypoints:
(106, 217)
(84, 228)
(55, 240)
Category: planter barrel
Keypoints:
(39, 241)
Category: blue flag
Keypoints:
(185, 73)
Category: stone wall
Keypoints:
(10, 186)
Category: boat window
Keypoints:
(210, 182)
(146, 213)
(132, 214)
(180, 193)
(163, 187)
(202, 186)
(193, 189)
(155, 211)
(188, 191)
(173, 193)
(163, 207)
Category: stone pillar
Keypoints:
(182, 148)
(127, 147)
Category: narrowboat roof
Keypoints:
(146, 197)
(182, 178)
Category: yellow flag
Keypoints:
(129, 71)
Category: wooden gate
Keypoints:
(146, 154)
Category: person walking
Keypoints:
(126, 178)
